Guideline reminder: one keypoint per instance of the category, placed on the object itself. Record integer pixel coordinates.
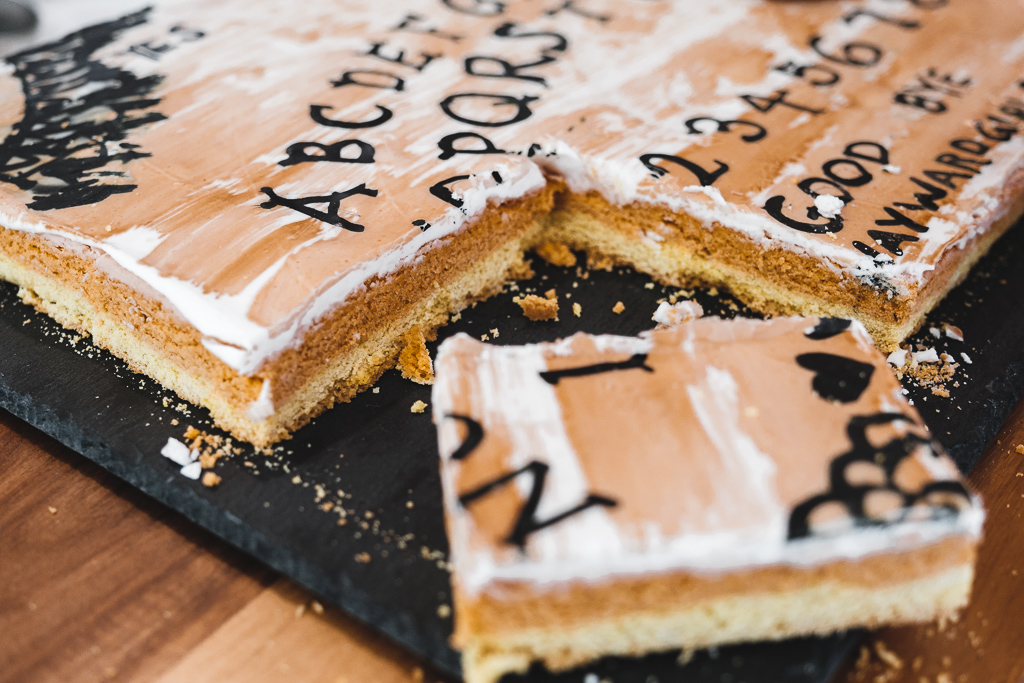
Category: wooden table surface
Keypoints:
(99, 583)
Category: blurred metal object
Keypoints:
(17, 16)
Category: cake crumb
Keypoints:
(953, 332)
(191, 433)
(539, 308)
(672, 314)
(211, 479)
(618, 308)
(52, 509)
(1020, 448)
(300, 609)
(597, 261)
(891, 659)
(519, 271)
(557, 254)
(444, 611)
(414, 360)
(363, 558)
(174, 422)
(577, 310)
(494, 333)
(863, 661)
(316, 607)
(418, 407)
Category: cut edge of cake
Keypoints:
(822, 608)
(284, 395)
(69, 282)
(778, 281)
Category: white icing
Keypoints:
(135, 243)
(829, 206)
(192, 470)
(672, 314)
(751, 472)
(263, 407)
(176, 452)
(926, 356)
(897, 358)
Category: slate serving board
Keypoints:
(376, 460)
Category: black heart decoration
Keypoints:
(837, 378)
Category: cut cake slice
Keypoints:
(708, 483)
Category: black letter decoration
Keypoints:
(527, 522)
(774, 208)
(302, 205)
(348, 78)
(480, 8)
(441, 191)
(705, 178)
(448, 149)
(297, 153)
(506, 69)
(522, 105)
(636, 361)
(474, 435)
(725, 126)
(316, 112)
(837, 378)
(827, 328)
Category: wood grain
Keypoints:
(987, 644)
(112, 586)
(97, 582)
(279, 636)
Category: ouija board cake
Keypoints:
(707, 483)
(260, 204)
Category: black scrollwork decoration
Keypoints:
(939, 499)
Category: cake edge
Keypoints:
(821, 608)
